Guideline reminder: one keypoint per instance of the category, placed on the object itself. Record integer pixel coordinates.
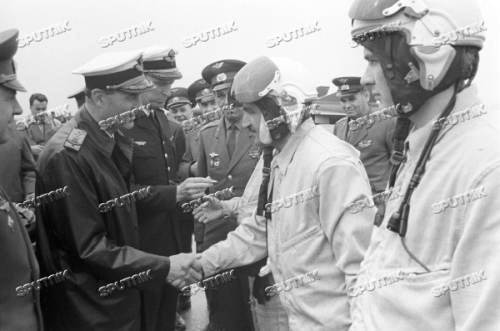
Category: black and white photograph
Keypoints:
(250, 165)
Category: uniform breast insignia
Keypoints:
(214, 159)
(75, 139)
(253, 154)
(365, 143)
(140, 143)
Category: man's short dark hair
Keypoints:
(39, 97)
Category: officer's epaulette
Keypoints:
(209, 125)
(75, 139)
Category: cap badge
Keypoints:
(218, 65)
(206, 92)
(221, 77)
(202, 81)
(173, 90)
(344, 87)
(170, 57)
(175, 99)
(343, 80)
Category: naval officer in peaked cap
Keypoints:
(159, 144)
(228, 154)
(99, 245)
(373, 140)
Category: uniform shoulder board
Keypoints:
(75, 139)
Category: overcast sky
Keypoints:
(45, 66)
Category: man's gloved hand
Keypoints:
(259, 288)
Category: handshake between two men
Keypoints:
(185, 269)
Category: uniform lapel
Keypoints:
(145, 123)
(220, 144)
(243, 143)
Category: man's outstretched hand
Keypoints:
(184, 270)
(193, 188)
(209, 211)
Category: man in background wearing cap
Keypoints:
(79, 97)
(155, 160)
(39, 134)
(307, 228)
(443, 236)
(98, 242)
(201, 91)
(373, 140)
(20, 310)
(227, 154)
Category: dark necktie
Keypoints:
(231, 140)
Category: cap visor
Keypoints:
(179, 103)
(15, 85)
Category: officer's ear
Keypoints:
(366, 95)
(98, 96)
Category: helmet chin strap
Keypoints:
(264, 133)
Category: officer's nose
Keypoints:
(166, 92)
(16, 108)
(368, 78)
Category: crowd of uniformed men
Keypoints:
(256, 135)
